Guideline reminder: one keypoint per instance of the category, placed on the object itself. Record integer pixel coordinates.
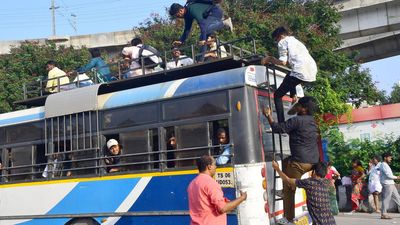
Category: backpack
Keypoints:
(151, 56)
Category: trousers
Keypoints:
(389, 191)
(293, 170)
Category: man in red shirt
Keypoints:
(207, 205)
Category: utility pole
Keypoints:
(53, 15)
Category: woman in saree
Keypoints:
(357, 178)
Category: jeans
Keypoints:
(213, 24)
(294, 170)
(389, 192)
(289, 84)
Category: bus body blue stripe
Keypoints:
(90, 197)
(165, 193)
(210, 82)
(21, 119)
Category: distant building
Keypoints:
(372, 123)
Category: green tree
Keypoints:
(340, 77)
(26, 64)
(395, 94)
(341, 152)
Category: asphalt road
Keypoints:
(366, 219)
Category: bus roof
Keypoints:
(143, 89)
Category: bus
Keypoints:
(53, 156)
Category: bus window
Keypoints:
(2, 136)
(40, 160)
(171, 145)
(83, 160)
(221, 138)
(130, 116)
(22, 158)
(25, 132)
(136, 150)
(193, 142)
(198, 106)
(154, 147)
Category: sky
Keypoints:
(30, 19)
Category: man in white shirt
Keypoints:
(132, 53)
(179, 60)
(304, 68)
(389, 190)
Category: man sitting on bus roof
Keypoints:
(303, 142)
(207, 204)
(57, 80)
(178, 60)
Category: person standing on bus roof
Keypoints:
(207, 205)
(304, 68)
(208, 16)
(303, 142)
(317, 192)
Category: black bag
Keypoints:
(147, 59)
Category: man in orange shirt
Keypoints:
(207, 205)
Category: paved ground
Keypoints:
(366, 219)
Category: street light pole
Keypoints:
(53, 15)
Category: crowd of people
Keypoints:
(380, 183)
(207, 204)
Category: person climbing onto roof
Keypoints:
(304, 68)
(102, 70)
(208, 15)
(303, 143)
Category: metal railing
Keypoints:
(56, 164)
(124, 69)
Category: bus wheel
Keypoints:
(82, 221)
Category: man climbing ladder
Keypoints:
(304, 68)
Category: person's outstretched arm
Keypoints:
(233, 204)
(186, 31)
(290, 181)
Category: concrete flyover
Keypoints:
(371, 27)
(111, 41)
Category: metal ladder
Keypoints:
(275, 151)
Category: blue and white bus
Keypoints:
(52, 156)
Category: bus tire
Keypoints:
(82, 221)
